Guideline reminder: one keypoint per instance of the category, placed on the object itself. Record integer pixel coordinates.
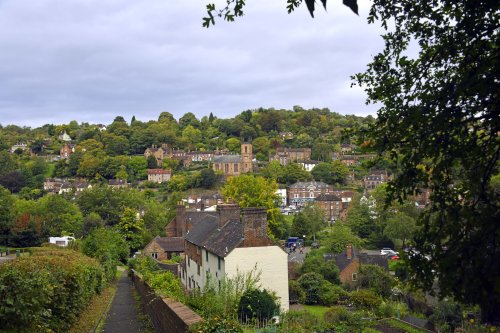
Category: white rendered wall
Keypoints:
(271, 261)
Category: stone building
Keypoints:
(163, 248)
(290, 155)
(374, 179)
(159, 175)
(234, 165)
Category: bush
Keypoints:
(47, 290)
(311, 283)
(166, 284)
(365, 298)
(315, 263)
(330, 294)
(217, 325)
(375, 278)
(391, 309)
(295, 292)
(257, 304)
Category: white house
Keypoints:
(309, 165)
(281, 193)
(61, 241)
(232, 241)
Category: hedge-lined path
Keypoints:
(123, 317)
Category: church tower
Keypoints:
(246, 156)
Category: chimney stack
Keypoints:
(180, 219)
(228, 212)
(255, 226)
(349, 251)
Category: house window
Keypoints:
(198, 269)
(246, 149)
(189, 262)
(226, 168)
(218, 262)
(295, 195)
(235, 167)
(354, 276)
(206, 255)
(154, 255)
(311, 194)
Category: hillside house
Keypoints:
(66, 150)
(159, 175)
(374, 179)
(228, 242)
(291, 155)
(331, 205)
(302, 193)
(350, 260)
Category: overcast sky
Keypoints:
(92, 60)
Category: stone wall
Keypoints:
(167, 315)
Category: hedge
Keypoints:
(47, 290)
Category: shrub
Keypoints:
(330, 294)
(166, 284)
(365, 298)
(342, 320)
(375, 278)
(217, 325)
(47, 290)
(311, 283)
(257, 304)
(295, 292)
(315, 263)
(391, 309)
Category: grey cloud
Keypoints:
(91, 60)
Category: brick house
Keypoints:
(229, 241)
(234, 165)
(374, 179)
(163, 248)
(290, 155)
(302, 193)
(350, 260)
(331, 205)
(66, 150)
(159, 175)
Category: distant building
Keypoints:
(234, 165)
(331, 205)
(64, 136)
(302, 193)
(159, 175)
(290, 155)
(309, 165)
(350, 260)
(374, 179)
(281, 193)
(61, 241)
(117, 183)
(20, 145)
(66, 150)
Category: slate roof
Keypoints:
(328, 197)
(227, 159)
(170, 244)
(223, 240)
(342, 262)
(202, 225)
(307, 184)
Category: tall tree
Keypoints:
(440, 122)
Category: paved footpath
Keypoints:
(123, 315)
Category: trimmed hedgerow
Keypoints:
(47, 291)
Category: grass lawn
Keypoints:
(317, 310)
(95, 312)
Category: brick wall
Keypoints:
(166, 314)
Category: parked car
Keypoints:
(388, 252)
